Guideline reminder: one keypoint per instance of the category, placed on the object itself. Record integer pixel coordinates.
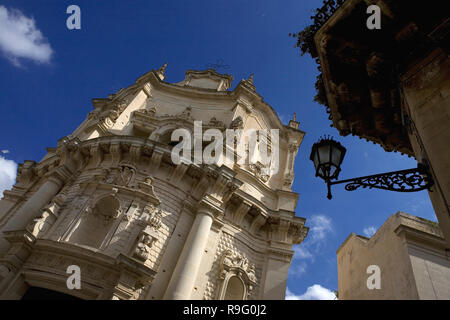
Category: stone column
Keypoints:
(173, 251)
(183, 278)
(31, 209)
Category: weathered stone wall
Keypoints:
(427, 91)
(410, 254)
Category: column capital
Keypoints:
(208, 205)
(59, 175)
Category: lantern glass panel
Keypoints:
(316, 160)
(324, 153)
(336, 156)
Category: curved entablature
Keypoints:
(150, 86)
(134, 152)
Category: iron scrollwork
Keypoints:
(411, 180)
(325, 12)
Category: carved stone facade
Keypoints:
(110, 200)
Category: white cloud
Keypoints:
(302, 252)
(320, 225)
(8, 171)
(315, 292)
(20, 39)
(369, 231)
(5, 151)
(298, 269)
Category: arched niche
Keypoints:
(96, 222)
(235, 289)
(237, 276)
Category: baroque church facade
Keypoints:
(110, 201)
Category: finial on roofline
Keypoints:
(250, 79)
(294, 123)
(163, 68)
(161, 71)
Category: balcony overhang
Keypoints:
(362, 68)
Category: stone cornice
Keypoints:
(258, 182)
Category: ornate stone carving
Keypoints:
(125, 175)
(26, 172)
(121, 177)
(234, 263)
(153, 216)
(213, 122)
(237, 123)
(260, 171)
(145, 241)
(186, 114)
(40, 225)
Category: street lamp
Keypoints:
(327, 156)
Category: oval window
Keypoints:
(235, 289)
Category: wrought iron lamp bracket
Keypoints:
(410, 180)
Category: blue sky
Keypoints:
(48, 78)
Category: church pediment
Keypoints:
(207, 79)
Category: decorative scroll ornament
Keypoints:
(233, 263)
(260, 171)
(410, 180)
